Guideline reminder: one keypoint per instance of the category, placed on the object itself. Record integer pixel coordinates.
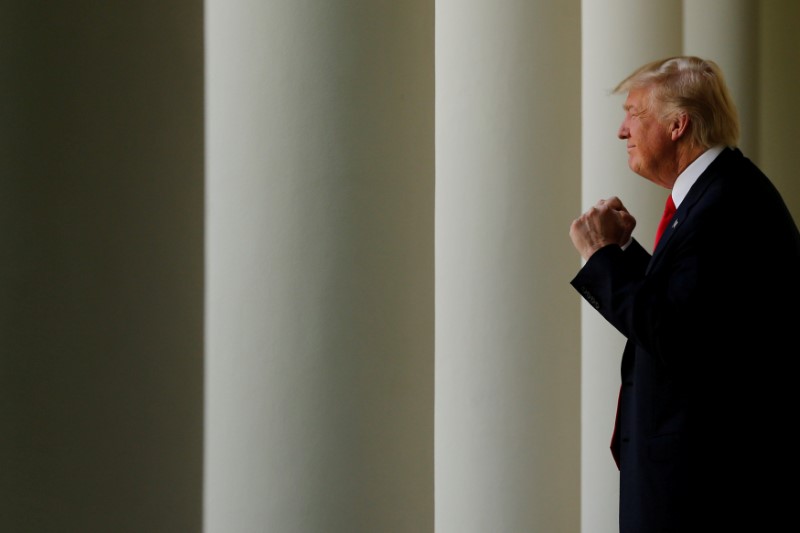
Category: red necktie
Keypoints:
(615, 434)
(669, 210)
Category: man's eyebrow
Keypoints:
(632, 109)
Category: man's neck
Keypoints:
(686, 155)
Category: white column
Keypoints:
(778, 104)
(101, 236)
(618, 36)
(507, 183)
(319, 297)
(726, 31)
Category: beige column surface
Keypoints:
(617, 37)
(507, 183)
(319, 296)
(101, 222)
(726, 31)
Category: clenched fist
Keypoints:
(607, 222)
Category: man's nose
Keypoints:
(623, 132)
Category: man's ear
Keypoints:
(678, 126)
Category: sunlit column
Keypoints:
(507, 321)
(618, 37)
(319, 302)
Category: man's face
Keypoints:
(650, 147)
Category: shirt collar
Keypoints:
(690, 174)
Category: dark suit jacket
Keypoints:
(708, 403)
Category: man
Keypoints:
(704, 436)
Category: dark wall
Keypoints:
(101, 266)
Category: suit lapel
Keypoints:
(683, 213)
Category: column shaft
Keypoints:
(726, 31)
(507, 167)
(320, 267)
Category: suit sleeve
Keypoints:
(613, 281)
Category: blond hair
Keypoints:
(694, 86)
